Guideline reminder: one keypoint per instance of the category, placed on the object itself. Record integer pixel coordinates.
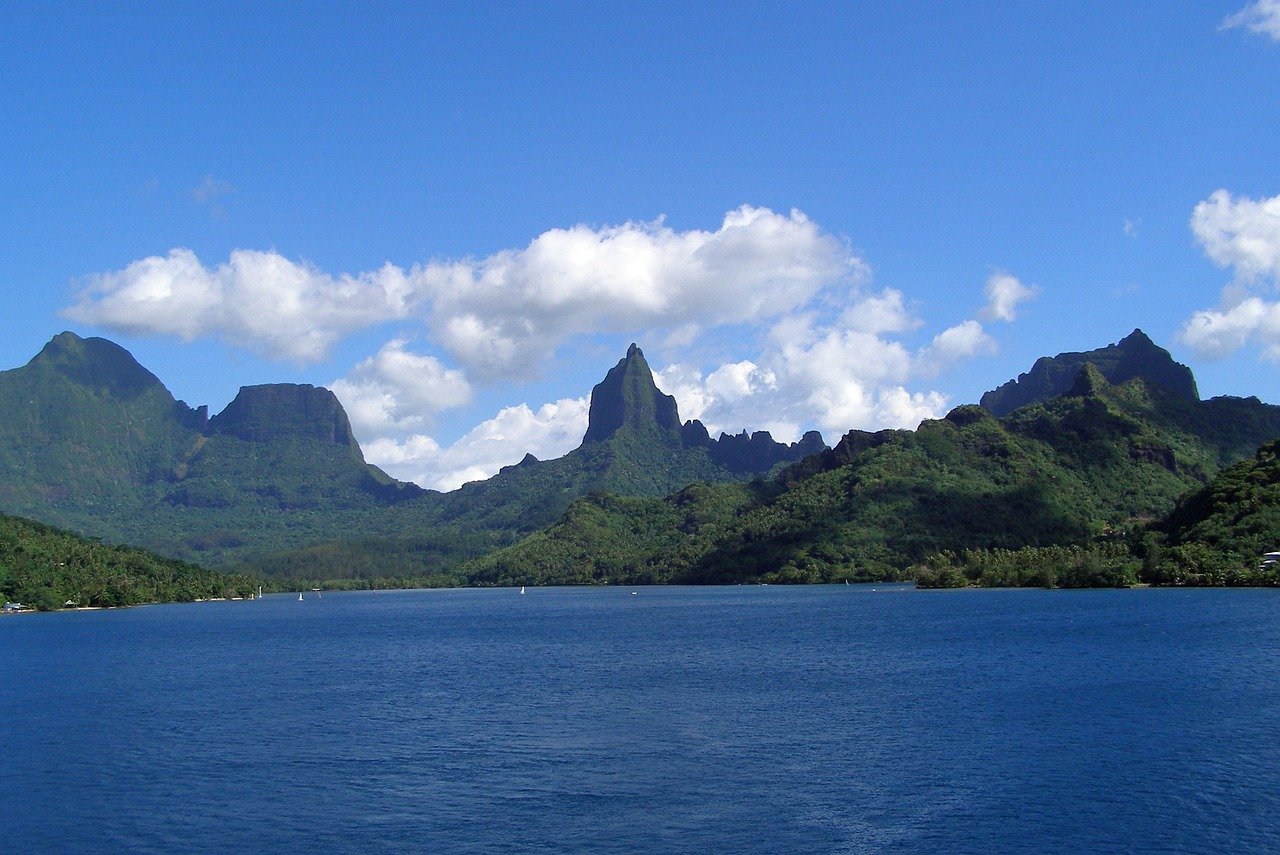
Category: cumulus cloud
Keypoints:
(811, 345)
(1243, 236)
(260, 301)
(1262, 17)
(1217, 333)
(550, 431)
(499, 316)
(845, 373)
(1004, 293)
(953, 345)
(396, 390)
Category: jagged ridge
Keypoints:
(1135, 355)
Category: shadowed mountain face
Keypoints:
(628, 399)
(628, 402)
(1134, 356)
(280, 410)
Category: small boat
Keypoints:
(259, 592)
(522, 589)
(299, 596)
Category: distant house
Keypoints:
(16, 607)
(1269, 560)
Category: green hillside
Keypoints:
(47, 568)
(93, 442)
(1061, 472)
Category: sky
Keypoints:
(808, 215)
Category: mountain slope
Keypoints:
(92, 441)
(1057, 472)
(635, 445)
(47, 568)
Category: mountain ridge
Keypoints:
(93, 442)
(1135, 355)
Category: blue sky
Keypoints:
(808, 215)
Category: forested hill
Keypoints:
(46, 568)
(1238, 513)
(1102, 457)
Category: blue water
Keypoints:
(749, 719)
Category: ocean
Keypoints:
(761, 719)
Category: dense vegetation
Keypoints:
(1053, 476)
(47, 568)
(1070, 490)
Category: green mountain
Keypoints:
(1062, 471)
(1133, 356)
(93, 442)
(1224, 533)
(635, 445)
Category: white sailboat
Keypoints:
(522, 589)
(299, 596)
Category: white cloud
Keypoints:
(551, 431)
(1004, 293)
(396, 390)
(841, 374)
(257, 300)
(1217, 333)
(1262, 17)
(954, 345)
(1243, 234)
(499, 316)
(811, 347)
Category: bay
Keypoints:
(741, 719)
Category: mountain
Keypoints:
(628, 400)
(1135, 355)
(93, 442)
(84, 426)
(1099, 457)
(634, 445)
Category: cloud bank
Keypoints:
(259, 301)
(548, 432)
(499, 317)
